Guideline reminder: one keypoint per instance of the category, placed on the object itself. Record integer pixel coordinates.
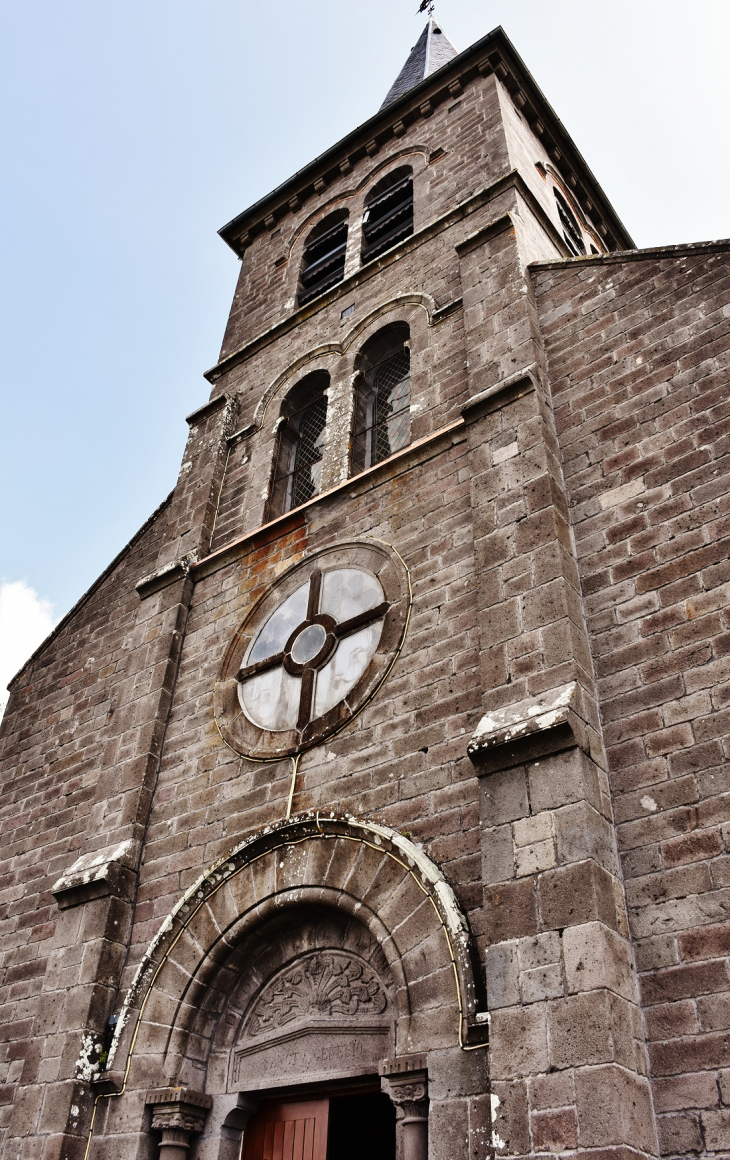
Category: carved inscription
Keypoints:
(320, 985)
(310, 1054)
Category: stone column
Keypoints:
(408, 1091)
(340, 402)
(177, 1113)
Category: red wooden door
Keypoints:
(292, 1131)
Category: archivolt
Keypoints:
(340, 199)
(327, 350)
(381, 873)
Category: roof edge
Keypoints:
(513, 68)
(93, 587)
(676, 250)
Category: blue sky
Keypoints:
(132, 132)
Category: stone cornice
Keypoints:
(686, 249)
(418, 452)
(499, 394)
(494, 53)
(471, 205)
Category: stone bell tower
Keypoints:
(370, 803)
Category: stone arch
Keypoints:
(376, 878)
(393, 161)
(346, 195)
(316, 357)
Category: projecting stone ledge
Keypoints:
(97, 874)
(529, 729)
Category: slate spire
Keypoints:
(431, 51)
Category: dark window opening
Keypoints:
(382, 420)
(571, 230)
(323, 263)
(298, 474)
(388, 214)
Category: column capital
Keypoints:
(178, 1110)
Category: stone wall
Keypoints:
(525, 827)
(637, 350)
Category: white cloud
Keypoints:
(25, 620)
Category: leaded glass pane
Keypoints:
(344, 670)
(279, 627)
(349, 591)
(271, 700)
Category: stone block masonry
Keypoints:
(492, 889)
(638, 355)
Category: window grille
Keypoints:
(323, 262)
(571, 230)
(382, 411)
(298, 474)
(388, 214)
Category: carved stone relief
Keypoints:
(320, 1008)
(324, 983)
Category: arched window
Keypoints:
(298, 474)
(388, 213)
(323, 263)
(571, 230)
(382, 420)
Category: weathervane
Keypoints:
(427, 6)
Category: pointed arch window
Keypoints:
(323, 262)
(382, 419)
(571, 230)
(388, 214)
(298, 473)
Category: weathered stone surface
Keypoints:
(533, 839)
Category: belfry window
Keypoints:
(382, 419)
(571, 230)
(323, 263)
(388, 213)
(298, 473)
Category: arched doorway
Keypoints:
(322, 954)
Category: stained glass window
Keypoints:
(313, 649)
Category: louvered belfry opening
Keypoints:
(388, 213)
(323, 263)
(298, 473)
(571, 230)
(382, 420)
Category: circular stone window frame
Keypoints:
(255, 743)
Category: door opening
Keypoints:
(343, 1126)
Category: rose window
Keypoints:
(313, 650)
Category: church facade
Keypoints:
(374, 802)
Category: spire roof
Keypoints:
(432, 50)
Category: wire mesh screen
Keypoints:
(383, 420)
(307, 473)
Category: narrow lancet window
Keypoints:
(388, 213)
(323, 263)
(571, 230)
(298, 473)
(382, 419)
